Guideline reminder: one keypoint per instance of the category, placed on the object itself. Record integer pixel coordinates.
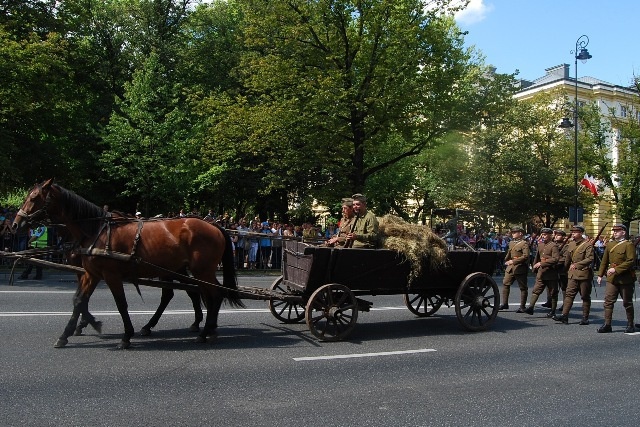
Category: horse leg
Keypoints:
(83, 324)
(80, 305)
(197, 310)
(69, 330)
(214, 302)
(86, 318)
(167, 295)
(117, 290)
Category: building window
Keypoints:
(623, 111)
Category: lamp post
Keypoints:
(583, 55)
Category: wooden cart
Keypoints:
(323, 286)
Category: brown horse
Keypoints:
(115, 250)
(87, 318)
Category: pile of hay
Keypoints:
(415, 242)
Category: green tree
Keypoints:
(342, 90)
(146, 143)
(521, 167)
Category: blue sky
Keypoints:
(531, 35)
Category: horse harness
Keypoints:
(107, 252)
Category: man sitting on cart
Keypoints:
(348, 215)
(364, 229)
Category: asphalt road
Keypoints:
(395, 369)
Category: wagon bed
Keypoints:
(330, 281)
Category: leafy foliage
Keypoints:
(520, 165)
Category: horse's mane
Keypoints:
(84, 213)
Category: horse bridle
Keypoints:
(41, 215)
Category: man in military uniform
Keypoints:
(364, 232)
(345, 224)
(560, 239)
(516, 261)
(545, 265)
(617, 264)
(579, 261)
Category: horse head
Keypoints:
(35, 206)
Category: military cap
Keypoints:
(517, 228)
(578, 228)
(546, 231)
(347, 201)
(359, 197)
(560, 232)
(618, 227)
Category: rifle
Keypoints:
(349, 242)
(592, 242)
(599, 233)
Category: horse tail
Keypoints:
(229, 278)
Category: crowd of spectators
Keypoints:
(11, 242)
(258, 243)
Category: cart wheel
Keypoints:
(332, 312)
(477, 302)
(285, 311)
(422, 305)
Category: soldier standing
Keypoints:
(560, 238)
(617, 263)
(517, 264)
(545, 265)
(579, 261)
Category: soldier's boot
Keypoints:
(586, 309)
(532, 304)
(608, 316)
(562, 318)
(505, 297)
(629, 329)
(554, 304)
(523, 300)
(547, 303)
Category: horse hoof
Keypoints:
(145, 332)
(194, 328)
(60, 343)
(97, 326)
(77, 332)
(201, 340)
(124, 345)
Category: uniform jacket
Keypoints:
(366, 230)
(621, 256)
(548, 255)
(580, 254)
(518, 251)
(343, 230)
(563, 254)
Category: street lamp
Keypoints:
(582, 54)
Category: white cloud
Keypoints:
(475, 12)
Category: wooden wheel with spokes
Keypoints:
(477, 301)
(332, 312)
(285, 311)
(422, 305)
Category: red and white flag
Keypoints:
(591, 183)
